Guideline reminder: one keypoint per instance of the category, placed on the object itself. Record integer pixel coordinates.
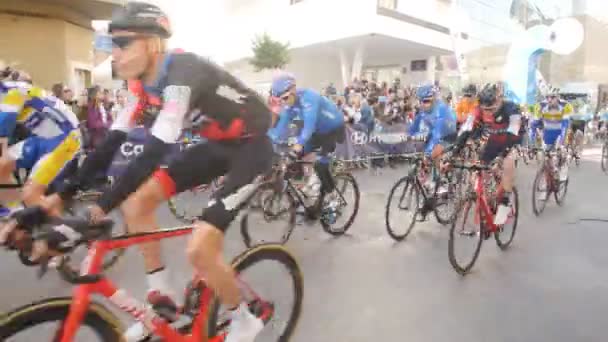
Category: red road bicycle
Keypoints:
(199, 318)
(481, 201)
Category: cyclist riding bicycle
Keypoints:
(498, 120)
(323, 127)
(554, 115)
(177, 90)
(576, 133)
(434, 123)
(53, 139)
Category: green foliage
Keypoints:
(269, 53)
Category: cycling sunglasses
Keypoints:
(285, 97)
(427, 101)
(491, 108)
(122, 42)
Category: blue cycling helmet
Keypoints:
(425, 92)
(282, 83)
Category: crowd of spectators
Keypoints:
(95, 107)
(365, 102)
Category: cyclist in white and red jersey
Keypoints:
(170, 91)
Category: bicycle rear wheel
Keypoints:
(465, 226)
(335, 202)
(285, 324)
(104, 325)
(540, 191)
(276, 211)
(407, 202)
(446, 201)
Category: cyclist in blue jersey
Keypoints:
(323, 126)
(435, 122)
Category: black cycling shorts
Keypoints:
(325, 141)
(496, 146)
(240, 161)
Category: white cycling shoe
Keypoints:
(244, 326)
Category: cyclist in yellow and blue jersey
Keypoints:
(553, 116)
(53, 140)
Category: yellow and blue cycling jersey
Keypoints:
(553, 119)
(54, 138)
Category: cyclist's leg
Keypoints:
(54, 155)
(327, 142)
(188, 169)
(205, 248)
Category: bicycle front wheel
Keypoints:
(467, 226)
(404, 197)
(604, 162)
(540, 191)
(279, 324)
(504, 236)
(46, 318)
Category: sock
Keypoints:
(158, 280)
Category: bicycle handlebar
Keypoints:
(474, 167)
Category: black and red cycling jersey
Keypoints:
(498, 126)
(191, 91)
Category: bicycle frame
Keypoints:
(481, 203)
(91, 268)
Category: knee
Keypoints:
(205, 248)
(32, 193)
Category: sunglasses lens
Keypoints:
(122, 42)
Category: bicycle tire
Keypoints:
(560, 196)
(251, 257)
(539, 209)
(98, 318)
(466, 204)
(409, 184)
(291, 221)
(503, 245)
(451, 197)
(327, 227)
(604, 160)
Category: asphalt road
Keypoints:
(550, 286)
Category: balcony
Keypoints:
(431, 14)
(77, 12)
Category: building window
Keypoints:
(418, 65)
(389, 4)
(293, 2)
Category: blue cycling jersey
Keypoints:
(435, 124)
(318, 113)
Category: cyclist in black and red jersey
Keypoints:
(499, 120)
(170, 91)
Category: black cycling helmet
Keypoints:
(470, 90)
(141, 17)
(489, 95)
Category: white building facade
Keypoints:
(337, 40)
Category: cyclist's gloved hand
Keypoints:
(17, 232)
